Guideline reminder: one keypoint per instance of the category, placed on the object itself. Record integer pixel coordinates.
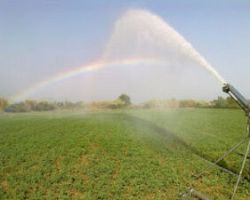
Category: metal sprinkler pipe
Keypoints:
(238, 97)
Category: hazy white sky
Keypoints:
(39, 39)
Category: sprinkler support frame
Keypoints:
(243, 103)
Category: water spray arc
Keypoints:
(139, 37)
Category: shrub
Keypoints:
(125, 99)
(3, 103)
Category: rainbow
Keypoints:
(22, 95)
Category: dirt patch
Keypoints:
(83, 160)
(116, 171)
(94, 146)
(57, 163)
(4, 185)
(76, 194)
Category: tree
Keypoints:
(189, 103)
(125, 99)
(220, 102)
(18, 107)
(31, 104)
(116, 104)
(231, 103)
(3, 103)
(44, 106)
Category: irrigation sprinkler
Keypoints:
(191, 193)
(238, 97)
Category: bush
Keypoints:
(221, 102)
(98, 105)
(44, 106)
(117, 104)
(125, 99)
(18, 107)
(3, 103)
(30, 105)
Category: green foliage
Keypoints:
(117, 104)
(171, 103)
(125, 99)
(44, 106)
(69, 105)
(221, 102)
(99, 105)
(136, 154)
(231, 103)
(3, 103)
(150, 104)
(188, 103)
(31, 105)
(18, 107)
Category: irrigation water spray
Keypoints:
(139, 37)
(144, 34)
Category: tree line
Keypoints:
(31, 105)
(220, 102)
(123, 101)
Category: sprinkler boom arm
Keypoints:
(238, 97)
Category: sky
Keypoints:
(40, 39)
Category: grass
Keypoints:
(143, 154)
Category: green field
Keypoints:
(129, 154)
